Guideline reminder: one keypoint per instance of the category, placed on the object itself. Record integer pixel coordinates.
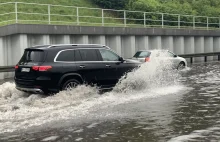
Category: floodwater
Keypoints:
(151, 104)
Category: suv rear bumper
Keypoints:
(36, 86)
(30, 90)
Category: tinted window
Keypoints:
(108, 55)
(142, 54)
(88, 55)
(77, 56)
(32, 56)
(66, 56)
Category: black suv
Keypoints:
(51, 68)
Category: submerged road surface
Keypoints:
(149, 105)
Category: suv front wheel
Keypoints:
(70, 84)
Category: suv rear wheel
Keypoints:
(70, 84)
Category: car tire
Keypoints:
(70, 84)
(181, 66)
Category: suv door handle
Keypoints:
(82, 66)
(108, 66)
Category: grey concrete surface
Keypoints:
(89, 30)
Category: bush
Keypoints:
(111, 4)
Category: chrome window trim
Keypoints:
(55, 59)
(88, 62)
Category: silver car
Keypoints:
(146, 56)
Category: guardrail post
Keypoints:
(49, 13)
(103, 17)
(194, 24)
(77, 15)
(144, 19)
(16, 12)
(162, 20)
(125, 20)
(179, 21)
(207, 23)
(191, 60)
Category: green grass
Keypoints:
(64, 12)
(38, 14)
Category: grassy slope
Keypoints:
(66, 12)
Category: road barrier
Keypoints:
(205, 55)
(7, 68)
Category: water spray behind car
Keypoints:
(155, 73)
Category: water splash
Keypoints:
(19, 111)
(154, 74)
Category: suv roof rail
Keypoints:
(56, 45)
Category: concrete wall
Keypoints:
(125, 41)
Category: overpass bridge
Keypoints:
(182, 34)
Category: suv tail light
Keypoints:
(16, 67)
(147, 59)
(41, 68)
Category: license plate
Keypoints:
(25, 70)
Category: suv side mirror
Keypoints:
(121, 59)
(175, 56)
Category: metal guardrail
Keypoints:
(17, 12)
(205, 55)
(7, 68)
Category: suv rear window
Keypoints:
(32, 56)
(142, 54)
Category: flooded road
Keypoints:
(149, 105)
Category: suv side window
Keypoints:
(77, 56)
(89, 55)
(108, 55)
(66, 56)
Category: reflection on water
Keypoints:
(176, 106)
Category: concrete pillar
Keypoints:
(167, 43)
(8, 50)
(199, 48)
(2, 56)
(114, 42)
(14, 48)
(208, 47)
(44, 40)
(97, 40)
(216, 46)
(79, 39)
(189, 46)
(155, 42)
(178, 43)
(18, 44)
(128, 46)
(34, 40)
(141, 43)
(59, 39)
